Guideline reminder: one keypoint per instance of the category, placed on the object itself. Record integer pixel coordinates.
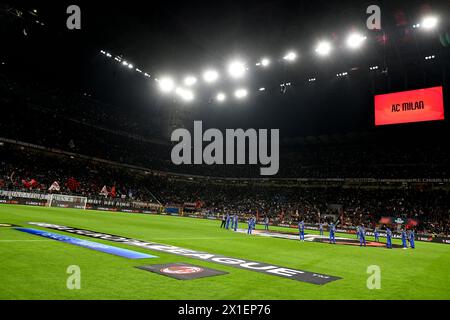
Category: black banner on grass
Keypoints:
(269, 269)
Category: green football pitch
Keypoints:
(33, 267)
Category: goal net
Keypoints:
(66, 201)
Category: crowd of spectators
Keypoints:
(430, 207)
(82, 125)
(79, 125)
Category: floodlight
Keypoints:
(429, 22)
(355, 40)
(323, 48)
(210, 76)
(190, 80)
(221, 97)
(240, 93)
(185, 94)
(290, 56)
(236, 69)
(265, 62)
(166, 84)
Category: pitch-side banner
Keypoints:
(409, 106)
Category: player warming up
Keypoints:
(227, 225)
(376, 234)
(301, 230)
(223, 221)
(266, 223)
(332, 230)
(388, 238)
(362, 236)
(250, 225)
(411, 239)
(405, 245)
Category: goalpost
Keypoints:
(66, 201)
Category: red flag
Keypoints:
(386, 220)
(113, 191)
(26, 184)
(72, 184)
(34, 183)
(411, 223)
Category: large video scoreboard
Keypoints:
(409, 106)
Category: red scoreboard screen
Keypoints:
(409, 106)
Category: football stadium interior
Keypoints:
(101, 199)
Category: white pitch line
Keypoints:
(204, 238)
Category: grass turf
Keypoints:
(37, 269)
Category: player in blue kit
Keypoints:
(227, 224)
(321, 228)
(250, 225)
(362, 236)
(301, 230)
(332, 230)
(376, 234)
(411, 239)
(357, 232)
(236, 219)
(254, 223)
(232, 222)
(266, 223)
(388, 238)
(404, 237)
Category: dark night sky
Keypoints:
(179, 37)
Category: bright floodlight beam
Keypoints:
(185, 94)
(166, 84)
(429, 22)
(190, 81)
(236, 69)
(240, 93)
(290, 56)
(210, 76)
(265, 62)
(355, 40)
(323, 48)
(221, 97)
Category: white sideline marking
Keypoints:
(184, 238)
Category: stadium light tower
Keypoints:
(166, 84)
(429, 22)
(290, 56)
(240, 93)
(236, 69)
(355, 40)
(323, 48)
(210, 76)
